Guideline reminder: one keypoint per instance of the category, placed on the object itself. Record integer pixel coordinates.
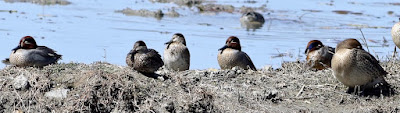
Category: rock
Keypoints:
(20, 82)
(57, 93)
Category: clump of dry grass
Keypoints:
(103, 87)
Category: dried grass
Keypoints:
(103, 87)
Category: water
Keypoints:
(89, 30)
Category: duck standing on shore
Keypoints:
(28, 54)
(176, 54)
(319, 56)
(231, 55)
(142, 59)
(356, 68)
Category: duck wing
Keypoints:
(252, 67)
(371, 64)
(155, 58)
(47, 52)
(130, 58)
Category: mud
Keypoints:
(216, 8)
(103, 87)
(180, 2)
(147, 13)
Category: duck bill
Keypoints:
(169, 42)
(18, 47)
(223, 47)
(306, 51)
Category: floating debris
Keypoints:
(344, 12)
(9, 11)
(206, 24)
(312, 10)
(42, 2)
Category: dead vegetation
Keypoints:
(103, 87)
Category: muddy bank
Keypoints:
(147, 13)
(42, 2)
(103, 87)
(180, 2)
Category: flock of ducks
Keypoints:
(351, 64)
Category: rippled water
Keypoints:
(90, 30)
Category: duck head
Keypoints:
(232, 42)
(250, 16)
(349, 44)
(313, 45)
(26, 42)
(139, 46)
(178, 38)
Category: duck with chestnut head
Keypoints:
(319, 56)
(29, 54)
(231, 55)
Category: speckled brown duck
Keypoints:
(356, 68)
(176, 54)
(142, 59)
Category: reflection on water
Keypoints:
(90, 30)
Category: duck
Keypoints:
(318, 55)
(142, 59)
(355, 67)
(231, 55)
(29, 54)
(176, 54)
(396, 34)
(252, 20)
